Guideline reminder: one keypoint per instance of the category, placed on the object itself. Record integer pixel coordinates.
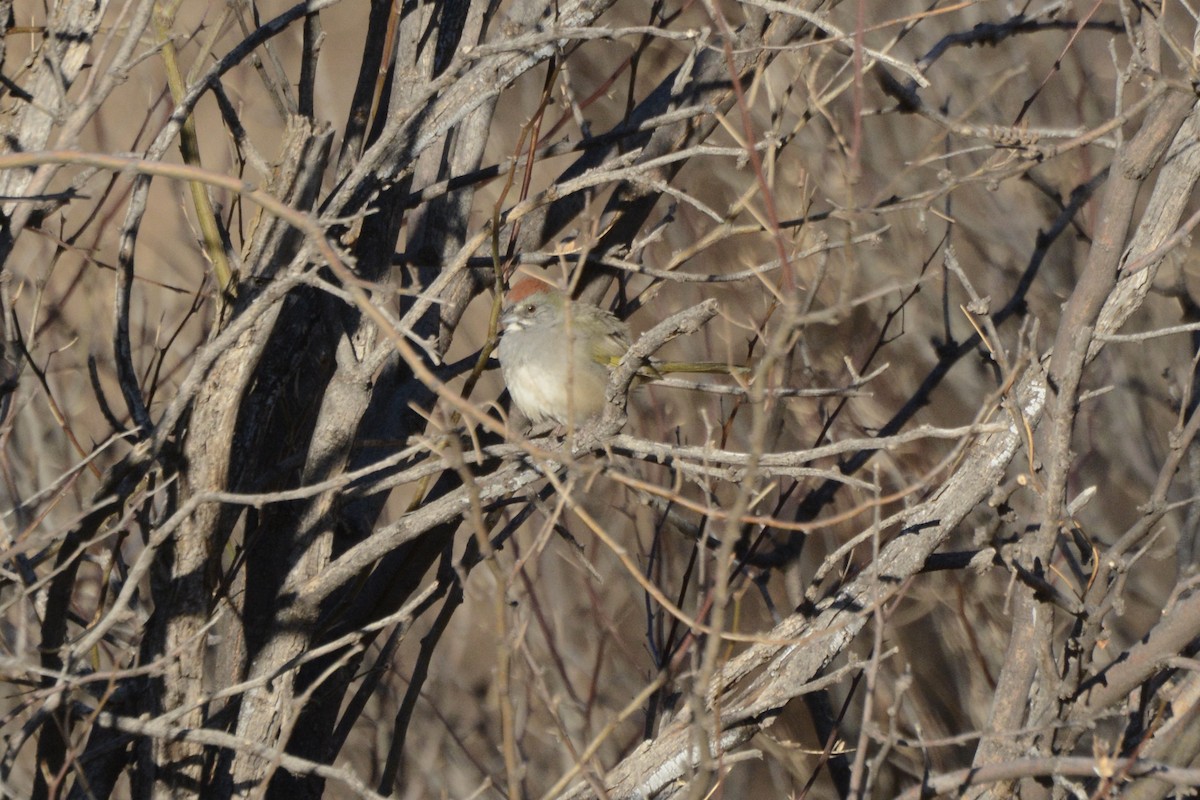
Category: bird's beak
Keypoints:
(508, 320)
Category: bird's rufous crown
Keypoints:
(527, 287)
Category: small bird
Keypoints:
(558, 371)
(553, 371)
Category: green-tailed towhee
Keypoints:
(556, 354)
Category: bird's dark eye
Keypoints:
(531, 308)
